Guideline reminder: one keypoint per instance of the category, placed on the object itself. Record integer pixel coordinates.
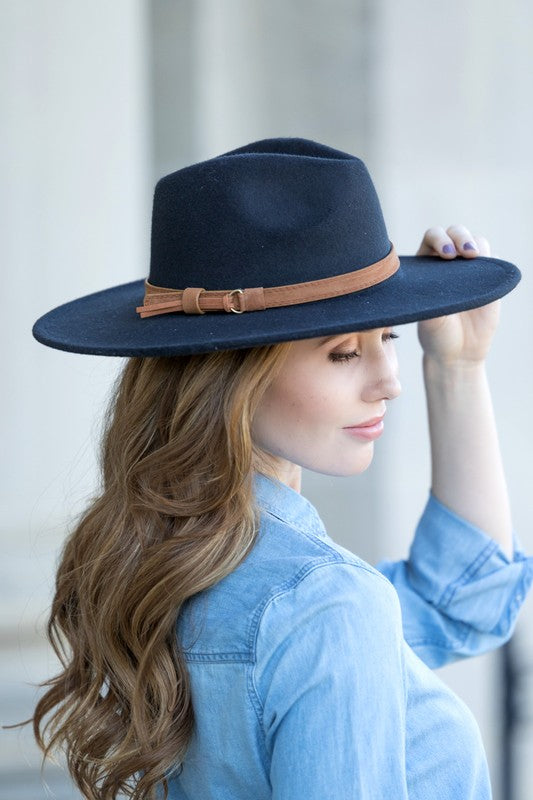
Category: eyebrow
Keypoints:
(327, 339)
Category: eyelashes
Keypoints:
(345, 357)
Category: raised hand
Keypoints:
(463, 338)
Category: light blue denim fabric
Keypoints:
(311, 670)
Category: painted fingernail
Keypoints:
(448, 248)
(469, 246)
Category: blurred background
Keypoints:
(100, 99)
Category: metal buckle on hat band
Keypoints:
(230, 307)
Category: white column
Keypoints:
(280, 69)
(75, 219)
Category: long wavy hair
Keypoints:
(173, 515)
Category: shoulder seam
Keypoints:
(291, 583)
(284, 588)
(312, 537)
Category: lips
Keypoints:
(368, 430)
(369, 422)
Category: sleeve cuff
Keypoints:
(462, 571)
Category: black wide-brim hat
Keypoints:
(287, 220)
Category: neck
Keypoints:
(292, 476)
(285, 471)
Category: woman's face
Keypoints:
(327, 386)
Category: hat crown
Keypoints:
(274, 212)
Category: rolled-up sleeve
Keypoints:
(330, 687)
(460, 595)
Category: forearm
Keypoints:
(466, 466)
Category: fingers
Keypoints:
(483, 245)
(455, 240)
(465, 243)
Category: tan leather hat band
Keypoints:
(195, 300)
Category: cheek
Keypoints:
(286, 401)
(288, 408)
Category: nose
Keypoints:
(382, 382)
(392, 388)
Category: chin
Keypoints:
(345, 470)
(362, 464)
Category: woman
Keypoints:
(218, 643)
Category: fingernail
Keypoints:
(469, 246)
(449, 248)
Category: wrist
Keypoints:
(452, 370)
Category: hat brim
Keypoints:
(106, 323)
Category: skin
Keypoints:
(303, 415)
(301, 419)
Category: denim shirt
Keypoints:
(311, 670)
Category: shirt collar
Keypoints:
(287, 505)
